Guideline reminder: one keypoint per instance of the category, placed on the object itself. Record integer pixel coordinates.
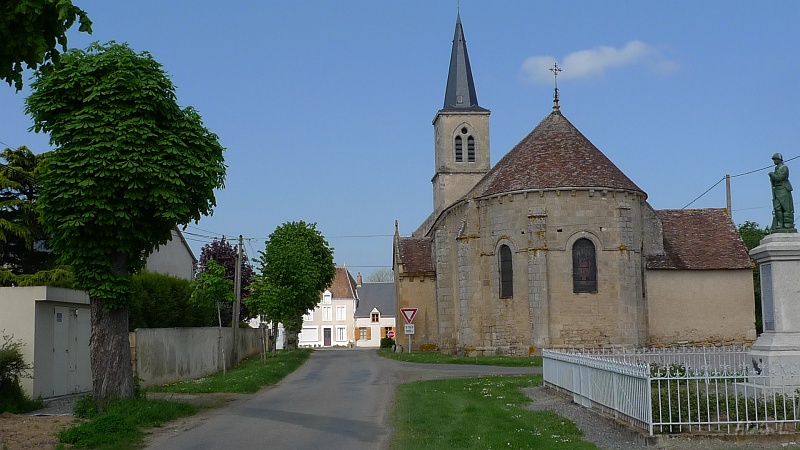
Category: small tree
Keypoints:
(225, 254)
(384, 275)
(296, 265)
(30, 30)
(129, 166)
(212, 286)
(752, 235)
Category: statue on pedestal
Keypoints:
(782, 203)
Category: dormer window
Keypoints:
(376, 317)
(326, 298)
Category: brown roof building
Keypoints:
(555, 246)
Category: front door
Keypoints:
(327, 334)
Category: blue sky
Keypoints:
(325, 107)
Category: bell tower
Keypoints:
(461, 131)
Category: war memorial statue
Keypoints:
(782, 204)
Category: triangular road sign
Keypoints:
(409, 313)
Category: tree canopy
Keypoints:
(129, 163)
(128, 166)
(295, 267)
(22, 238)
(225, 254)
(31, 31)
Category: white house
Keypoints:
(330, 324)
(174, 258)
(375, 316)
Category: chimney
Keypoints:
(358, 280)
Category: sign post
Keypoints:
(408, 314)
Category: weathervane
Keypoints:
(555, 69)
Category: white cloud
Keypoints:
(594, 62)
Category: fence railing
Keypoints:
(676, 390)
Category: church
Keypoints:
(555, 247)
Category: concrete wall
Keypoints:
(54, 326)
(701, 306)
(168, 355)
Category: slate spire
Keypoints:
(460, 91)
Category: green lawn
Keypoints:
(441, 358)
(119, 427)
(479, 413)
(251, 375)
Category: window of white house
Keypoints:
(376, 317)
(326, 298)
(341, 334)
(309, 316)
(362, 333)
(326, 313)
(340, 312)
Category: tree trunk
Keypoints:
(112, 374)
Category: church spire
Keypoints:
(460, 91)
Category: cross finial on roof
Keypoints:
(555, 69)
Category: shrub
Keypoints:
(387, 342)
(162, 301)
(12, 367)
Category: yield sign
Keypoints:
(409, 313)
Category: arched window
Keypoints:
(584, 267)
(471, 149)
(459, 149)
(506, 273)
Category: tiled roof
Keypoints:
(376, 295)
(554, 155)
(700, 239)
(343, 286)
(415, 254)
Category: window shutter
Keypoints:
(369, 333)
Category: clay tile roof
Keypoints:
(700, 239)
(554, 155)
(343, 286)
(415, 255)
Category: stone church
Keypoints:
(555, 247)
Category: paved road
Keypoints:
(340, 398)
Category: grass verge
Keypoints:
(251, 375)
(441, 358)
(119, 427)
(479, 413)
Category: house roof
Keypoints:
(460, 92)
(415, 254)
(343, 285)
(376, 295)
(554, 155)
(700, 239)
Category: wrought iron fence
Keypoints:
(677, 390)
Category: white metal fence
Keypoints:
(676, 390)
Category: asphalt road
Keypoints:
(340, 398)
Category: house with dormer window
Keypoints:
(375, 314)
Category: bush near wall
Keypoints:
(162, 301)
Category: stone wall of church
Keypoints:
(701, 307)
(417, 292)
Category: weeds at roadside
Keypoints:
(441, 358)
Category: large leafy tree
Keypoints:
(30, 33)
(225, 254)
(22, 238)
(129, 164)
(295, 266)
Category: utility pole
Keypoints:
(237, 289)
(728, 195)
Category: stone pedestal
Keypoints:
(777, 351)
